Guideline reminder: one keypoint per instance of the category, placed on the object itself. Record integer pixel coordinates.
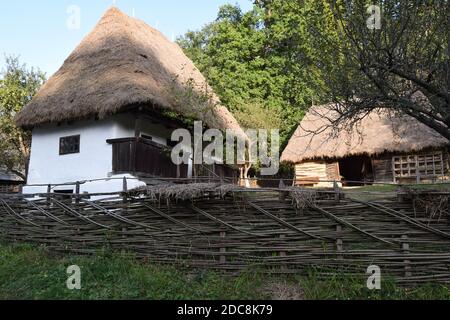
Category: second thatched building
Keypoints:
(379, 148)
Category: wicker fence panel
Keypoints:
(241, 230)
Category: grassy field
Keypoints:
(28, 272)
(393, 188)
(375, 192)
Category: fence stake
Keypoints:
(400, 193)
(282, 253)
(125, 189)
(223, 250)
(337, 192)
(49, 190)
(283, 194)
(77, 193)
(406, 262)
(339, 242)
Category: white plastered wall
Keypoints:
(93, 162)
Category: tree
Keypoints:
(403, 67)
(298, 36)
(230, 52)
(18, 85)
(253, 69)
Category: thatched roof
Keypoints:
(377, 133)
(187, 191)
(124, 62)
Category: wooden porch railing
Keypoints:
(138, 155)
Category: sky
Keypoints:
(43, 33)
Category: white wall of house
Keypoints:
(93, 162)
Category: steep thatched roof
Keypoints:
(124, 62)
(375, 134)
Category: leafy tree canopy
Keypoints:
(18, 84)
(402, 66)
(262, 63)
(271, 64)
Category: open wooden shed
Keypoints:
(379, 148)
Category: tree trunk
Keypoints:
(442, 128)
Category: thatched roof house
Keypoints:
(112, 106)
(123, 62)
(380, 147)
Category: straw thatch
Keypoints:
(187, 191)
(124, 62)
(377, 133)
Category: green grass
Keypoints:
(354, 288)
(375, 192)
(28, 272)
(393, 188)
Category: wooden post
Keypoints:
(241, 177)
(400, 192)
(283, 194)
(339, 242)
(393, 170)
(405, 251)
(49, 190)
(137, 126)
(124, 200)
(125, 189)
(16, 227)
(282, 253)
(77, 193)
(337, 192)
(223, 250)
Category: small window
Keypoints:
(69, 145)
(419, 166)
(146, 137)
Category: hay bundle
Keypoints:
(303, 198)
(436, 204)
(185, 192)
(318, 137)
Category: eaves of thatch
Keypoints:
(124, 62)
(8, 176)
(377, 133)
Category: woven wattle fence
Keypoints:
(230, 229)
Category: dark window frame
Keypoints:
(69, 149)
(146, 137)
